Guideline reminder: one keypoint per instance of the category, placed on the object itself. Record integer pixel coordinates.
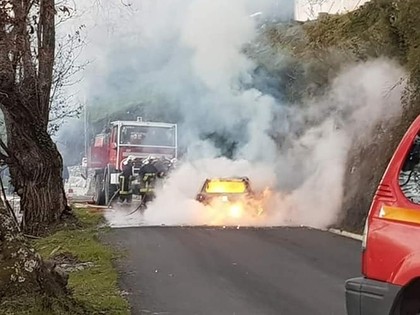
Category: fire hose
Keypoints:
(112, 198)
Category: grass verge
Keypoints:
(96, 286)
(92, 277)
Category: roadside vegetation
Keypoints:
(34, 68)
(92, 279)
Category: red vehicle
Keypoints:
(122, 140)
(391, 240)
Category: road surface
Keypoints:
(228, 271)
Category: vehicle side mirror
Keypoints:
(114, 145)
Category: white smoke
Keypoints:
(368, 93)
(188, 55)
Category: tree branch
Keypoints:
(46, 51)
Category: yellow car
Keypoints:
(233, 195)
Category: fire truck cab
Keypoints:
(391, 241)
(122, 139)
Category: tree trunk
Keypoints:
(36, 171)
(27, 56)
(22, 271)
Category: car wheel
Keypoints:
(408, 302)
(99, 191)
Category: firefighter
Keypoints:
(147, 174)
(162, 167)
(126, 177)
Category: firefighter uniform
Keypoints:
(126, 177)
(147, 176)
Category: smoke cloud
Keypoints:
(185, 59)
(307, 178)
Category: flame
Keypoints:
(243, 211)
(235, 211)
(220, 186)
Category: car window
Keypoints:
(409, 178)
(147, 135)
(228, 187)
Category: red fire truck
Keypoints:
(127, 139)
(391, 240)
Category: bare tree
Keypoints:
(314, 7)
(27, 55)
(66, 75)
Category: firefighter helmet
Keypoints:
(130, 158)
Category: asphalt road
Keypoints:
(247, 271)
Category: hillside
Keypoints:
(319, 49)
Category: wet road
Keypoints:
(228, 271)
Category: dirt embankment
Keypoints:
(318, 50)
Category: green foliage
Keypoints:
(94, 289)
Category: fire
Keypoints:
(230, 203)
(228, 187)
(241, 212)
(236, 211)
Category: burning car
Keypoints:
(232, 196)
